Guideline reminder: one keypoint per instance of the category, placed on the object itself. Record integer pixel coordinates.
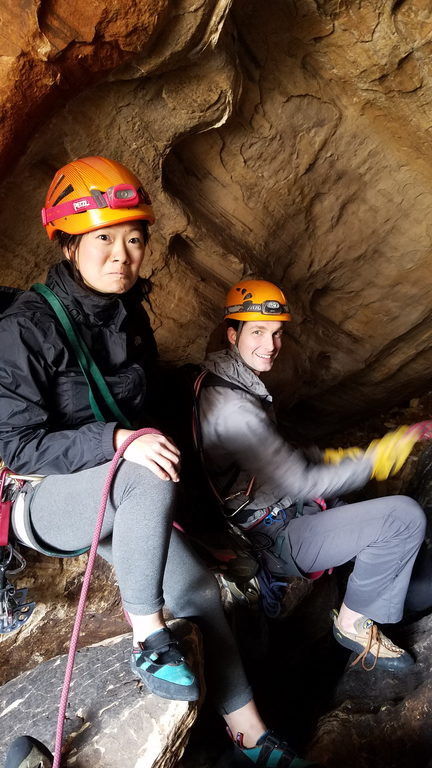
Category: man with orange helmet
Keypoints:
(52, 425)
(267, 485)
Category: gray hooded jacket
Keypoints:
(241, 440)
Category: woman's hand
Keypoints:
(154, 451)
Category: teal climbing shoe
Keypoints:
(159, 663)
(270, 751)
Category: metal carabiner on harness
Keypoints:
(247, 494)
(14, 608)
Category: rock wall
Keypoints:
(289, 140)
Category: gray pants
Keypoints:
(384, 536)
(153, 561)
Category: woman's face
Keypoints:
(109, 259)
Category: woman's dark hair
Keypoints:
(67, 241)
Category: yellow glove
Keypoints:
(336, 455)
(390, 453)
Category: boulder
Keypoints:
(112, 720)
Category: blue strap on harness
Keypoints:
(272, 593)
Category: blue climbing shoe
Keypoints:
(270, 751)
(159, 663)
(27, 752)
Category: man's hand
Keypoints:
(390, 453)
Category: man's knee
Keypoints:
(412, 514)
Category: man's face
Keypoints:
(258, 343)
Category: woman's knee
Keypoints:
(135, 478)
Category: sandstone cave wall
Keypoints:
(286, 139)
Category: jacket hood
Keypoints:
(228, 364)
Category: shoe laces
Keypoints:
(375, 637)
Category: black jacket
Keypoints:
(46, 423)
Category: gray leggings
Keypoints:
(153, 561)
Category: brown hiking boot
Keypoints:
(373, 648)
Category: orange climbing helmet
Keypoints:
(94, 192)
(256, 300)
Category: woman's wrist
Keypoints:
(120, 436)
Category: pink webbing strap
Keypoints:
(85, 586)
(5, 511)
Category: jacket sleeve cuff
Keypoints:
(108, 440)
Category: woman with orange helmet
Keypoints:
(53, 426)
(99, 213)
(268, 485)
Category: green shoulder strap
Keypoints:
(88, 366)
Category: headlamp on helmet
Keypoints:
(269, 307)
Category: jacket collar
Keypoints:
(86, 305)
(228, 364)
